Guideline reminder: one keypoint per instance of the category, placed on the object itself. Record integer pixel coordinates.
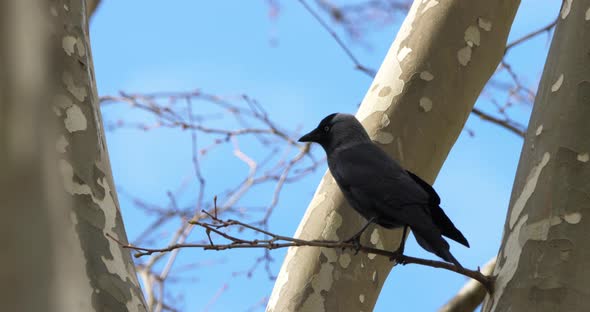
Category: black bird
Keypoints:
(378, 188)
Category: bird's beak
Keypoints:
(310, 137)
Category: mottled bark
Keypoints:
(471, 295)
(86, 172)
(57, 193)
(542, 264)
(415, 108)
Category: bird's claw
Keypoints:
(398, 257)
(356, 243)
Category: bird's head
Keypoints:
(336, 130)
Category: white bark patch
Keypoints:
(472, 36)
(321, 282)
(389, 73)
(371, 256)
(426, 104)
(401, 55)
(567, 7)
(539, 130)
(431, 4)
(557, 84)
(344, 260)
(385, 121)
(333, 223)
(375, 237)
(587, 17)
(484, 24)
(504, 274)
(75, 119)
(329, 253)
(374, 277)
(61, 144)
(68, 43)
(529, 188)
(464, 55)
(383, 137)
(573, 218)
(78, 92)
(362, 298)
(426, 75)
(583, 157)
(81, 48)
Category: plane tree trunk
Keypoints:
(415, 109)
(56, 189)
(543, 261)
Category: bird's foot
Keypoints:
(356, 243)
(398, 257)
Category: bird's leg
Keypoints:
(356, 238)
(399, 253)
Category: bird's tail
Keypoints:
(432, 241)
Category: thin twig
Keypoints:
(279, 241)
(501, 122)
(357, 64)
(531, 35)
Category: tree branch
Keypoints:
(531, 35)
(471, 295)
(279, 241)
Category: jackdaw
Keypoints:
(379, 189)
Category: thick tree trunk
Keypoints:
(57, 192)
(416, 107)
(542, 264)
(26, 263)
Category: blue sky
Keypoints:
(225, 47)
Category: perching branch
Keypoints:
(276, 241)
(471, 295)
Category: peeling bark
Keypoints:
(57, 193)
(85, 169)
(545, 249)
(415, 108)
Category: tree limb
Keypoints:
(472, 293)
(279, 241)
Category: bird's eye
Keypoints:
(326, 128)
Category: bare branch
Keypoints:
(471, 295)
(531, 35)
(279, 241)
(505, 123)
(370, 72)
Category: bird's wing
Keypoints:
(376, 181)
(434, 198)
(439, 217)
